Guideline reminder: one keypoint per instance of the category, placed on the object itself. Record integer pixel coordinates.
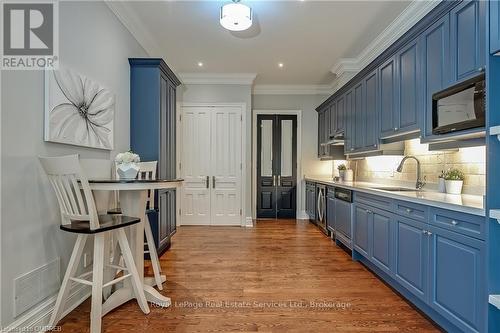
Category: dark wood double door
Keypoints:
(276, 166)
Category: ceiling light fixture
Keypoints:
(200, 64)
(236, 16)
(281, 65)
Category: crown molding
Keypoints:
(346, 68)
(292, 89)
(217, 78)
(129, 20)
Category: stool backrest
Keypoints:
(69, 182)
(147, 170)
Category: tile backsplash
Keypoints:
(472, 161)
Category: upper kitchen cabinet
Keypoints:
(348, 122)
(370, 111)
(407, 60)
(435, 66)
(323, 129)
(467, 39)
(339, 117)
(494, 27)
(388, 98)
(332, 113)
(358, 119)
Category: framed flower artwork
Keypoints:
(78, 110)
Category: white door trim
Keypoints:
(243, 106)
(297, 113)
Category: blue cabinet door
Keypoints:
(348, 122)
(370, 108)
(382, 240)
(407, 60)
(361, 229)
(359, 118)
(330, 210)
(332, 120)
(343, 221)
(494, 27)
(340, 119)
(457, 279)
(411, 247)
(387, 73)
(436, 66)
(467, 21)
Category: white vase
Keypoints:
(127, 170)
(441, 185)
(454, 186)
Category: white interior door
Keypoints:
(211, 147)
(226, 166)
(195, 165)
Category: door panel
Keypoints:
(407, 61)
(226, 165)
(361, 230)
(276, 166)
(388, 98)
(359, 118)
(382, 240)
(370, 108)
(196, 159)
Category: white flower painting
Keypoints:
(78, 110)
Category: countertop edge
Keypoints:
(429, 202)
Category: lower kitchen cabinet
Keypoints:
(361, 237)
(411, 247)
(382, 240)
(163, 225)
(311, 200)
(457, 272)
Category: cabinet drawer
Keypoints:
(375, 201)
(470, 225)
(411, 210)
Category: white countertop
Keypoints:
(465, 203)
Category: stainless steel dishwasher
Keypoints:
(343, 216)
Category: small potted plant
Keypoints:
(454, 180)
(126, 165)
(342, 168)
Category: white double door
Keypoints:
(211, 165)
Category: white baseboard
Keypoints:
(249, 222)
(37, 319)
(302, 215)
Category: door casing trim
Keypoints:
(297, 113)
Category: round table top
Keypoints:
(133, 184)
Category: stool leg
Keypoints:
(66, 283)
(97, 276)
(153, 254)
(130, 264)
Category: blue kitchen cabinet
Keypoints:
(330, 209)
(388, 98)
(411, 247)
(340, 116)
(407, 60)
(457, 272)
(382, 250)
(370, 112)
(343, 218)
(361, 229)
(435, 66)
(359, 118)
(467, 39)
(494, 26)
(332, 119)
(348, 122)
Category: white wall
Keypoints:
(221, 93)
(92, 42)
(311, 165)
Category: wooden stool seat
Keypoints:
(106, 223)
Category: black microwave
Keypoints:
(459, 107)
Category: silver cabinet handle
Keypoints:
(395, 128)
(454, 223)
(207, 182)
(274, 180)
(429, 233)
(424, 232)
(279, 180)
(213, 181)
(408, 210)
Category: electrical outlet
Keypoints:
(87, 259)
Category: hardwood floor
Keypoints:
(281, 276)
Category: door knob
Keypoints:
(279, 180)
(274, 180)
(213, 181)
(207, 181)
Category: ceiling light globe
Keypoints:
(236, 17)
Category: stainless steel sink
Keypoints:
(394, 189)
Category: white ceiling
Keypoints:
(308, 37)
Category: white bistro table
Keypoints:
(133, 195)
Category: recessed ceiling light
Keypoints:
(280, 65)
(200, 64)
